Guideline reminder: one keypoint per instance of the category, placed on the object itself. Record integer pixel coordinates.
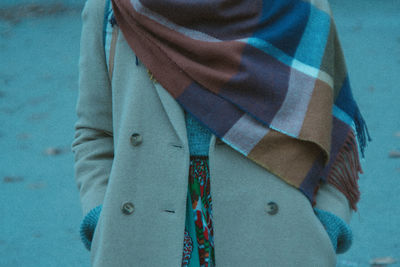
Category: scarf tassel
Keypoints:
(362, 131)
(344, 171)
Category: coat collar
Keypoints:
(174, 111)
(176, 115)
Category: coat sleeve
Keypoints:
(332, 200)
(93, 142)
(334, 212)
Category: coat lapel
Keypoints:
(174, 111)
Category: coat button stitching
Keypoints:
(272, 208)
(136, 139)
(127, 208)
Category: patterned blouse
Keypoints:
(198, 243)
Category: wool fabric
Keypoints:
(266, 77)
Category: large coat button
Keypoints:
(127, 208)
(136, 139)
(272, 208)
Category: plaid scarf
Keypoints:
(267, 77)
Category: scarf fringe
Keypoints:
(345, 169)
(362, 131)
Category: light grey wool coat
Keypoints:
(110, 170)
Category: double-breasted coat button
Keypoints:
(127, 208)
(272, 208)
(136, 139)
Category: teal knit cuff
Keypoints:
(88, 226)
(338, 230)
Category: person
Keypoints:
(164, 181)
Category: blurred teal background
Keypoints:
(39, 202)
